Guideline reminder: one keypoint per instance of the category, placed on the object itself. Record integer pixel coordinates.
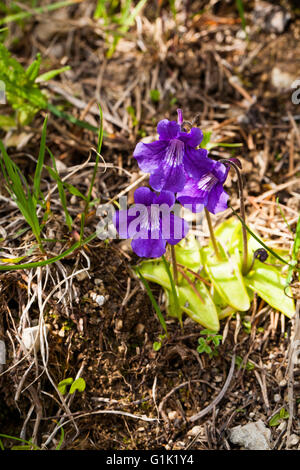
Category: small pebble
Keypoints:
(82, 276)
(99, 299)
(31, 337)
(282, 426)
(180, 444)
(119, 325)
(140, 328)
(293, 440)
(61, 333)
(172, 415)
(2, 352)
(194, 431)
(218, 378)
(277, 397)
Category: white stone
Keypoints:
(293, 440)
(140, 328)
(218, 378)
(251, 436)
(282, 80)
(282, 383)
(119, 325)
(195, 431)
(282, 426)
(2, 352)
(81, 276)
(100, 300)
(31, 337)
(172, 415)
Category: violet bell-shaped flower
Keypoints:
(171, 158)
(150, 223)
(206, 190)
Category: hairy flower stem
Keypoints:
(212, 235)
(174, 264)
(245, 269)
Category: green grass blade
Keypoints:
(73, 120)
(36, 11)
(51, 74)
(14, 179)
(126, 21)
(260, 241)
(29, 443)
(100, 11)
(74, 191)
(37, 264)
(61, 440)
(40, 164)
(130, 19)
(240, 7)
(63, 199)
(283, 216)
(99, 146)
(34, 68)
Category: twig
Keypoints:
(161, 405)
(210, 407)
(294, 353)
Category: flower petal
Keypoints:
(144, 196)
(165, 197)
(220, 171)
(149, 248)
(168, 178)
(121, 221)
(192, 138)
(217, 199)
(150, 156)
(168, 130)
(178, 229)
(189, 190)
(194, 160)
(190, 200)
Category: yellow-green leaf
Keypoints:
(270, 286)
(226, 277)
(203, 312)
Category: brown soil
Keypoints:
(191, 59)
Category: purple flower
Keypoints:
(172, 157)
(207, 188)
(150, 223)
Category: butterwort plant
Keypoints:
(208, 282)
